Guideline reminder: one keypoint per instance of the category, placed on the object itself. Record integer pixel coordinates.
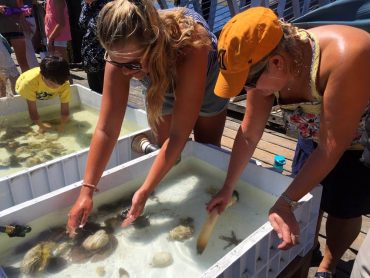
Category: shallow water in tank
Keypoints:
(182, 194)
(22, 146)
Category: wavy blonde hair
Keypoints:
(166, 34)
(290, 43)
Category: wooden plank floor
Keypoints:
(272, 143)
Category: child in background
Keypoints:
(57, 27)
(45, 82)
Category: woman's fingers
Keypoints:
(85, 216)
(72, 224)
(129, 219)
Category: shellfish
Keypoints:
(183, 231)
(37, 258)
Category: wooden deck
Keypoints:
(272, 142)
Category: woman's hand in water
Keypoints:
(77, 216)
(137, 207)
(220, 200)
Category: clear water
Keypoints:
(22, 146)
(183, 193)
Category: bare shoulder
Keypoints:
(345, 55)
(341, 45)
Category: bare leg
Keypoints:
(2, 86)
(19, 46)
(208, 130)
(61, 52)
(340, 235)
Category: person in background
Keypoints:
(29, 33)
(45, 82)
(173, 53)
(92, 52)
(8, 69)
(11, 27)
(320, 79)
(57, 28)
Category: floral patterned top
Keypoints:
(91, 50)
(304, 117)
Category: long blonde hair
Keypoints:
(166, 34)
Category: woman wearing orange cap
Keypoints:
(320, 78)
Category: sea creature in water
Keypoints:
(32, 161)
(121, 205)
(231, 240)
(37, 258)
(103, 245)
(123, 273)
(96, 241)
(141, 222)
(79, 255)
(183, 231)
(12, 132)
(211, 190)
(162, 259)
(88, 229)
(154, 198)
(112, 223)
(63, 248)
(105, 251)
(12, 161)
(100, 270)
(56, 264)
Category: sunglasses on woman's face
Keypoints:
(130, 65)
(253, 79)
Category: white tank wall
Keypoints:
(255, 256)
(43, 178)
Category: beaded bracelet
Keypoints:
(92, 186)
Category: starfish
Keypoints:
(231, 240)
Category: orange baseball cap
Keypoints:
(244, 41)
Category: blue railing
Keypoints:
(218, 12)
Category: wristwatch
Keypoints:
(291, 203)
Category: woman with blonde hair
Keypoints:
(321, 81)
(174, 55)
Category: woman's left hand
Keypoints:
(137, 207)
(284, 223)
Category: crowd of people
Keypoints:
(318, 77)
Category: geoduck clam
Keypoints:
(37, 258)
(98, 247)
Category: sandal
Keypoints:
(323, 275)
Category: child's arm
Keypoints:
(64, 115)
(34, 115)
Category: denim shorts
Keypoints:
(212, 104)
(346, 188)
(60, 43)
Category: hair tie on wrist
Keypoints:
(92, 186)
